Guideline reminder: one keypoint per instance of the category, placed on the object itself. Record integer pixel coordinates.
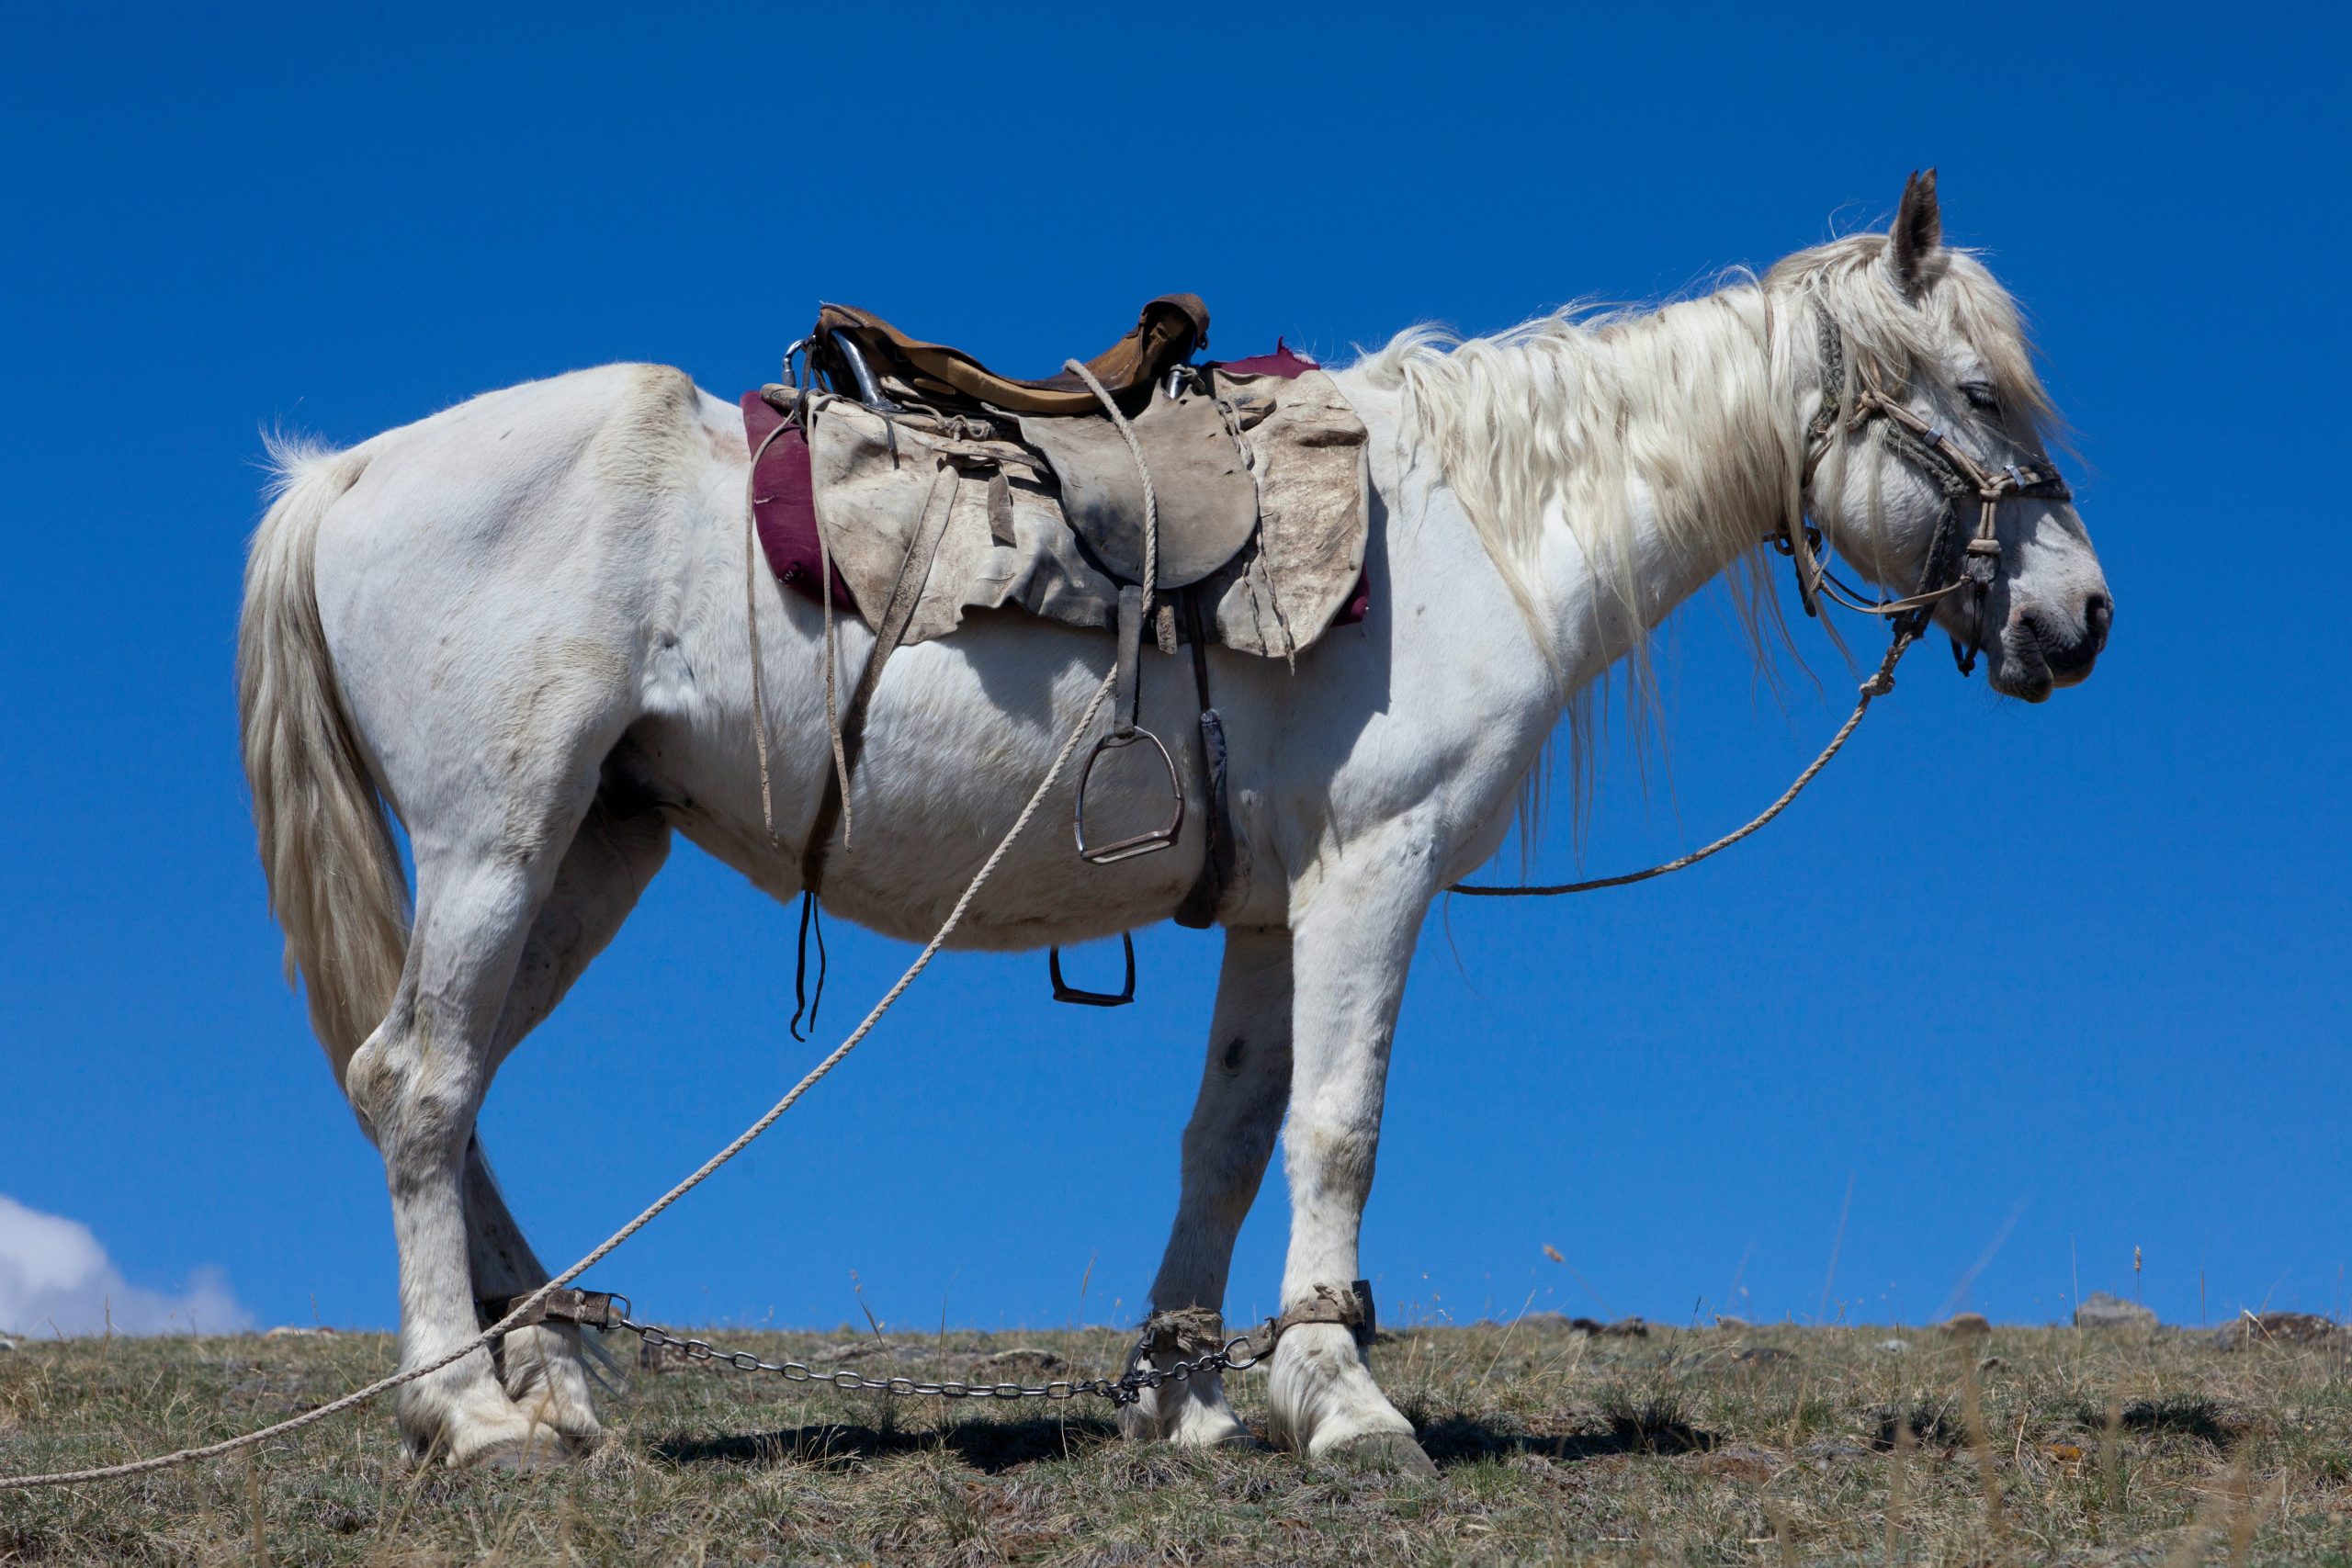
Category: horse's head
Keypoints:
(1927, 467)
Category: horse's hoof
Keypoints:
(1392, 1452)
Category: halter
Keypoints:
(1952, 564)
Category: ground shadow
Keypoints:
(2184, 1416)
(987, 1446)
(1462, 1441)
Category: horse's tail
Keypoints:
(335, 883)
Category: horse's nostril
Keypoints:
(2098, 615)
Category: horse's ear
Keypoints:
(1919, 230)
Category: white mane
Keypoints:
(1578, 408)
(1699, 407)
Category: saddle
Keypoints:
(1170, 329)
(926, 486)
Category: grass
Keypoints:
(1767, 1445)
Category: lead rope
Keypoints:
(1816, 581)
(1878, 685)
(518, 1312)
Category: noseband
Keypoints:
(1952, 564)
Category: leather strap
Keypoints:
(905, 594)
(1128, 692)
(1207, 896)
(590, 1309)
(1350, 1309)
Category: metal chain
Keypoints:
(1237, 1354)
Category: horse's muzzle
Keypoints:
(2036, 658)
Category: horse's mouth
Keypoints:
(2022, 668)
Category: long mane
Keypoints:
(1696, 408)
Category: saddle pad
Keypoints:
(881, 484)
(783, 503)
(1305, 570)
(1006, 543)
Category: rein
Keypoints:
(1950, 566)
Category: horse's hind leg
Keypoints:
(612, 858)
(487, 857)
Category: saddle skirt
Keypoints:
(1258, 471)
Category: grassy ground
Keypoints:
(1775, 1445)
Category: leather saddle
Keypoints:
(928, 485)
(857, 348)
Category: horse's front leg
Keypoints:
(1352, 942)
(1227, 1146)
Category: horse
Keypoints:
(520, 626)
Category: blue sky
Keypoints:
(2070, 979)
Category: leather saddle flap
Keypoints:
(1207, 500)
(1264, 510)
(877, 480)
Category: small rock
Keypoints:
(857, 1350)
(1992, 1364)
(288, 1331)
(2099, 1310)
(1826, 1454)
(1764, 1355)
(1895, 1346)
(1044, 1361)
(7, 1344)
(1623, 1329)
(2277, 1328)
(1967, 1325)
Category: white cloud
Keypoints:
(56, 1278)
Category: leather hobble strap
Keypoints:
(1345, 1308)
(1179, 1331)
(589, 1309)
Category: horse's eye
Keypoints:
(1981, 396)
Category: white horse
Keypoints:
(520, 626)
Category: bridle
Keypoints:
(1953, 563)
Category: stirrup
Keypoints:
(1135, 844)
(1066, 992)
(1124, 732)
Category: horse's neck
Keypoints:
(1689, 469)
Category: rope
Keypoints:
(1143, 472)
(1878, 685)
(522, 1306)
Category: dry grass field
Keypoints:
(1720, 1445)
